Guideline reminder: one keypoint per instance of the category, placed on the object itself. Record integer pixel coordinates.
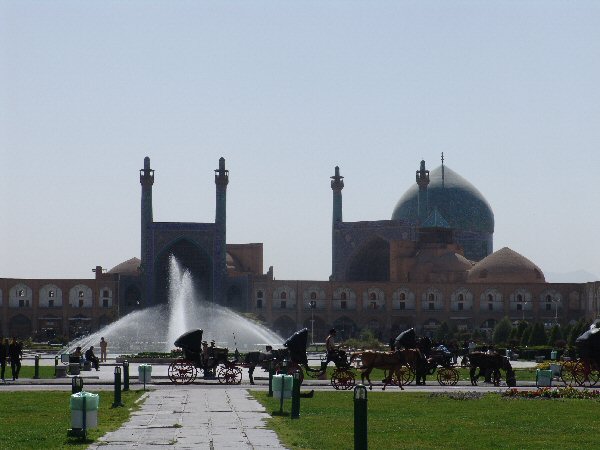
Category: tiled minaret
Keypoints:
(422, 182)
(337, 184)
(221, 182)
(146, 180)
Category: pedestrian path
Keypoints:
(195, 418)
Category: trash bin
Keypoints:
(556, 370)
(74, 368)
(543, 378)
(282, 383)
(553, 355)
(91, 402)
(145, 373)
(508, 353)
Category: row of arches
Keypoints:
(51, 296)
(49, 327)
(404, 298)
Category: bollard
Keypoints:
(271, 373)
(36, 368)
(55, 366)
(125, 375)
(76, 385)
(117, 401)
(296, 396)
(360, 417)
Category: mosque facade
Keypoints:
(433, 261)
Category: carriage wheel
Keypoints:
(407, 376)
(447, 376)
(584, 375)
(229, 374)
(181, 371)
(342, 379)
(567, 373)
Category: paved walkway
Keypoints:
(209, 418)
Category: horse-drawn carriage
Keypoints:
(213, 361)
(584, 371)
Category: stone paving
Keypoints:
(195, 418)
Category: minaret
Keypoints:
(337, 184)
(221, 181)
(422, 181)
(146, 180)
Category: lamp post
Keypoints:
(312, 305)
(556, 302)
(524, 305)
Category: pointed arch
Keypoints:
(371, 262)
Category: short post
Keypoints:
(296, 396)
(55, 366)
(36, 368)
(271, 372)
(117, 401)
(84, 418)
(360, 417)
(125, 375)
(76, 385)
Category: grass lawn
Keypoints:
(28, 371)
(425, 421)
(40, 419)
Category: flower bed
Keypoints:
(548, 393)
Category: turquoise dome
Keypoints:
(458, 201)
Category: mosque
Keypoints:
(433, 261)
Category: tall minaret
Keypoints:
(146, 180)
(337, 184)
(422, 181)
(221, 181)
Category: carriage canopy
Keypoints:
(406, 339)
(192, 340)
(296, 343)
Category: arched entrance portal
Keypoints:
(190, 257)
(371, 262)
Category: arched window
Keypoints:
(259, 303)
(343, 296)
(283, 295)
(519, 298)
(402, 296)
(372, 296)
(431, 297)
(490, 298)
(259, 294)
(313, 295)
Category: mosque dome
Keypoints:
(505, 266)
(458, 201)
(129, 267)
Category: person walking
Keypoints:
(103, 345)
(3, 356)
(15, 353)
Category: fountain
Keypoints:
(142, 331)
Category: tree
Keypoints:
(555, 335)
(538, 335)
(502, 331)
(525, 335)
(521, 327)
(442, 332)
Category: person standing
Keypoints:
(103, 345)
(3, 356)
(15, 353)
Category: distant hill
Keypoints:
(578, 276)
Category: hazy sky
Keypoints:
(285, 91)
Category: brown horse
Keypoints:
(390, 361)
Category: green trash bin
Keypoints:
(145, 373)
(553, 355)
(91, 402)
(543, 378)
(282, 383)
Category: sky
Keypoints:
(285, 91)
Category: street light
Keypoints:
(556, 302)
(312, 305)
(524, 304)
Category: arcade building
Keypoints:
(433, 261)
